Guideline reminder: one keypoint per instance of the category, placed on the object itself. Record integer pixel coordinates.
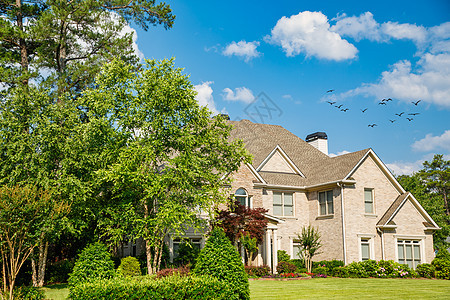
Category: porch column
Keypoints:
(268, 250)
(275, 250)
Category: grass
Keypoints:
(56, 291)
(325, 288)
(349, 288)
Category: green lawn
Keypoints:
(349, 288)
(325, 288)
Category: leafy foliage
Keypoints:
(129, 267)
(28, 293)
(186, 254)
(170, 288)
(257, 271)
(426, 270)
(309, 241)
(283, 256)
(181, 271)
(58, 272)
(25, 213)
(285, 267)
(441, 264)
(94, 263)
(371, 268)
(221, 260)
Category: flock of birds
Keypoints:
(382, 102)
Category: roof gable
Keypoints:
(388, 217)
(279, 161)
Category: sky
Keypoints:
(287, 62)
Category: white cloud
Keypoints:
(433, 143)
(428, 81)
(358, 28)
(242, 49)
(405, 168)
(418, 34)
(339, 153)
(309, 33)
(239, 94)
(204, 95)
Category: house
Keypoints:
(360, 209)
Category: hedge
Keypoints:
(145, 287)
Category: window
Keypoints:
(326, 203)
(409, 252)
(365, 249)
(242, 197)
(368, 201)
(283, 204)
(296, 250)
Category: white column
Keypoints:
(268, 250)
(275, 250)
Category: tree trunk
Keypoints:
(33, 270)
(22, 43)
(148, 252)
(43, 251)
(447, 211)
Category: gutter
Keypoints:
(305, 187)
(382, 242)
(344, 246)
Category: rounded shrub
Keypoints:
(129, 266)
(425, 270)
(221, 260)
(94, 263)
(283, 256)
(286, 267)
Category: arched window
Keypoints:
(242, 197)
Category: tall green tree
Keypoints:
(309, 241)
(173, 164)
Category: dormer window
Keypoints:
(242, 197)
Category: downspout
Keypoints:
(382, 242)
(343, 223)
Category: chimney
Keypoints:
(319, 140)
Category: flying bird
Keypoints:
(330, 91)
(339, 106)
(364, 110)
(413, 114)
(415, 103)
(388, 99)
(409, 119)
(392, 121)
(331, 103)
(372, 125)
(382, 103)
(400, 114)
(344, 110)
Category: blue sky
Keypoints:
(273, 62)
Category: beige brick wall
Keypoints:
(368, 175)
(330, 227)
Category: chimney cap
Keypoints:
(315, 136)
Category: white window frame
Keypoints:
(247, 197)
(294, 242)
(373, 201)
(370, 238)
(326, 202)
(403, 240)
(282, 203)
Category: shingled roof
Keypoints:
(317, 167)
(392, 209)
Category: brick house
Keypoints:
(360, 209)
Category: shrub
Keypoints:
(371, 267)
(425, 270)
(356, 270)
(283, 256)
(321, 270)
(340, 272)
(28, 293)
(443, 254)
(391, 269)
(221, 260)
(144, 287)
(93, 263)
(181, 271)
(186, 254)
(59, 271)
(129, 266)
(286, 267)
(257, 271)
(442, 267)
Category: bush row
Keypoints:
(145, 287)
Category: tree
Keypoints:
(436, 175)
(309, 241)
(243, 224)
(171, 166)
(25, 212)
(70, 40)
